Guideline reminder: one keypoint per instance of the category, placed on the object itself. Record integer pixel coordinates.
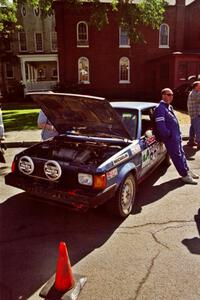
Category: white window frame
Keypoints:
(121, 81)
(79, 80)
(52, 38)
(123, 45)
(20, 49)
(36, 42)
(37, 11)
(9, 40)
(23, 11)
(9, 77)
(86, 41)
(160, 37)
(54, 76)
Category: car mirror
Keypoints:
(148, 133)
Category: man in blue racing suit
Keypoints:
(168, 131)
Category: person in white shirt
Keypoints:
(48, 130)
(1, 126)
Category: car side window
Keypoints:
(129, 119)
(147, 121)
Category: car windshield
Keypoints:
(129, 118)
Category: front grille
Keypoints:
(68, 179)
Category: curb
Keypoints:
(22, 144)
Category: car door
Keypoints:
(150, 147)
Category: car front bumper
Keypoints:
(77, 199)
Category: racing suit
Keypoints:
(168, 131)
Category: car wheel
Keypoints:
(122, 203)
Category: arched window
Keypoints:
(124, 70)
(23, 10)
(37, 11)
(124, 40)
(82, 34)
(83, 70)
(164, 36)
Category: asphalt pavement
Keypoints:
(153, 254)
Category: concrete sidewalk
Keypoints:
(26, 138)
(23, 138)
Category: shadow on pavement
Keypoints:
(30, 234)
(149, 193)
(193, 244)
(31, 231)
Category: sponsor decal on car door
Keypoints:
(150, 154)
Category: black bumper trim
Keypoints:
(76, 199)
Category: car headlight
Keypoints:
(85, 179)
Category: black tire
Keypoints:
(121, 205)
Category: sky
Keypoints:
(172, 2)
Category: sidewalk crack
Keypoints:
(144, 280)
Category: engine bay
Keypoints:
(75, 152)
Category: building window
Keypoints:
(54, 73)
(37, 11)
(23, 10)
(124, 70)
(7, 43)
(54, 41)
(164, 36)
(9, 70)
(182, 71)
(83, 70)
(41, 74)
(124, 40)
(22, 41)
(50, 13)
(38, 42)
(82, 34)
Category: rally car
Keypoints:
(103, 151)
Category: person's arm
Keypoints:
(46, 126)
(160, 122)
(1, 126)
(43, 122)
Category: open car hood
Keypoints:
(82, 114)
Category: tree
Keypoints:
(144, 12)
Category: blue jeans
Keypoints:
(191, 134)
(195, 129)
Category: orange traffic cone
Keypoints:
(64, 278)
(63, 285)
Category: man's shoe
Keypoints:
(188, 179)
(193, 175)
(190, 143)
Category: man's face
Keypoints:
(198, 87)
(168, 96)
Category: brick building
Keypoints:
(106, 63)
(30, 57)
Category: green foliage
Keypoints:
(7, 16)
(129, 15)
